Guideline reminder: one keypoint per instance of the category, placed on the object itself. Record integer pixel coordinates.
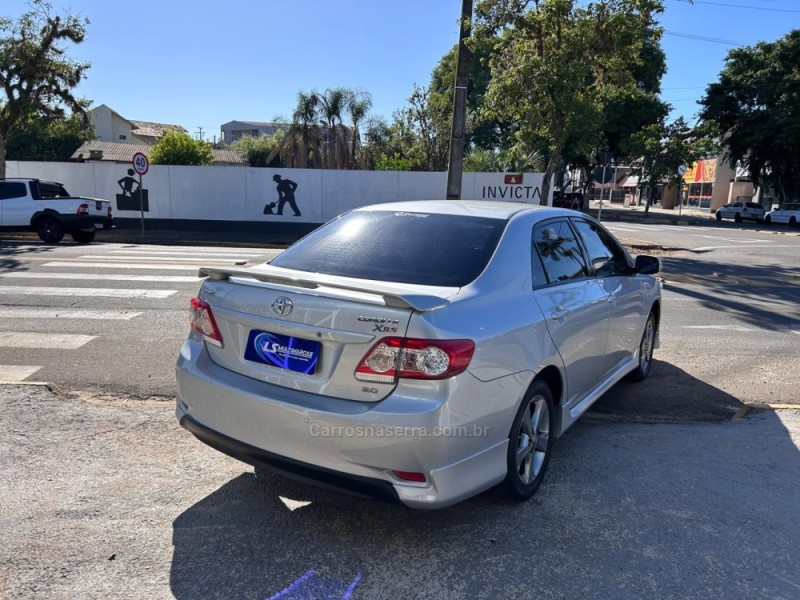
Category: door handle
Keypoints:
(559, 313)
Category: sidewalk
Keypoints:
(656, 214)
(277, 239)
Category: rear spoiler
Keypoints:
(418, 302)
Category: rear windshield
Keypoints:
(401, 247)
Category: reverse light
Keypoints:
(201, 320)
(83, 210)
(392, 358)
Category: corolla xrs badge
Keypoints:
(282, 306)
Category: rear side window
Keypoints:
(402, 247)
(12, 189)
(753, 205)
(560, 252)
(52, 190)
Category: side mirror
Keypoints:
(647, 265)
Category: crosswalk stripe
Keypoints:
(101, 277)
(204, 252)
(205, 249)
(56, 341)
(147, 258)
(110, 265)
(13, 312)
(10, 290)
(16, 372)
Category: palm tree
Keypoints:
(358, 105)
(332, 104)
(304, 118)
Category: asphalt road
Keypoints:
(110, 318)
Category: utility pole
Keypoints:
(455, 166)
(199, 133)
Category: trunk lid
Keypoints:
(308, 331)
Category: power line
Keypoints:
(785, 10)
(703, 38)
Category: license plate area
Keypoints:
(283, 351)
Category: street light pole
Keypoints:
(455, 166)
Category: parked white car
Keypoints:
(51, 211)
(786, 213)
(740, 211)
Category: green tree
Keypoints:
(661, 148)
(756, 105)
(179, 148)
(36, 76)
(556, 64)
(260, 151)
(46, 137)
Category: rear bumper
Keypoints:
(86, 223)
(349, 446)
(363, 487)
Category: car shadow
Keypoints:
(643, 512)
(731, 288)
(669, 394)
(12, 252)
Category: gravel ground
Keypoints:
(111, 499)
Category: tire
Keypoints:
(645, 350)
(737, 217)
(83, 237)
(768, 220)
(49, 230)
(792, 222)
(530, 442)
(719, 216)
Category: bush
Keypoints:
(178, 148)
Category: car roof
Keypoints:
(473, 208)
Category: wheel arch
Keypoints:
(47, 212)
(656, 310)
(554, 378)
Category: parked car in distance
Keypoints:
(788, 214)
(740, 211)
(48, 209)
(418, 351)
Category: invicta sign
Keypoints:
(512, 189)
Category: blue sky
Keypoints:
(201, 63)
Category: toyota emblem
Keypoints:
(282, 306)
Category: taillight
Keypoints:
(109, 211)
(83, 209)
(411, 358)
(201, 319)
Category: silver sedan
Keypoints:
(418, 351)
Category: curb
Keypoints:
(590, 417)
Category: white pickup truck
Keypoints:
(48, 209)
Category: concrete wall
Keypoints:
(248, 194)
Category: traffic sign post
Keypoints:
(681, 170)
(141, 165)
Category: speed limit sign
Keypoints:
(140, 163)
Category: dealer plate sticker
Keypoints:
(283, 351)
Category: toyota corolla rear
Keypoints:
(333, 364)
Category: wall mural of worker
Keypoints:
(285, 189)
(132, 197)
